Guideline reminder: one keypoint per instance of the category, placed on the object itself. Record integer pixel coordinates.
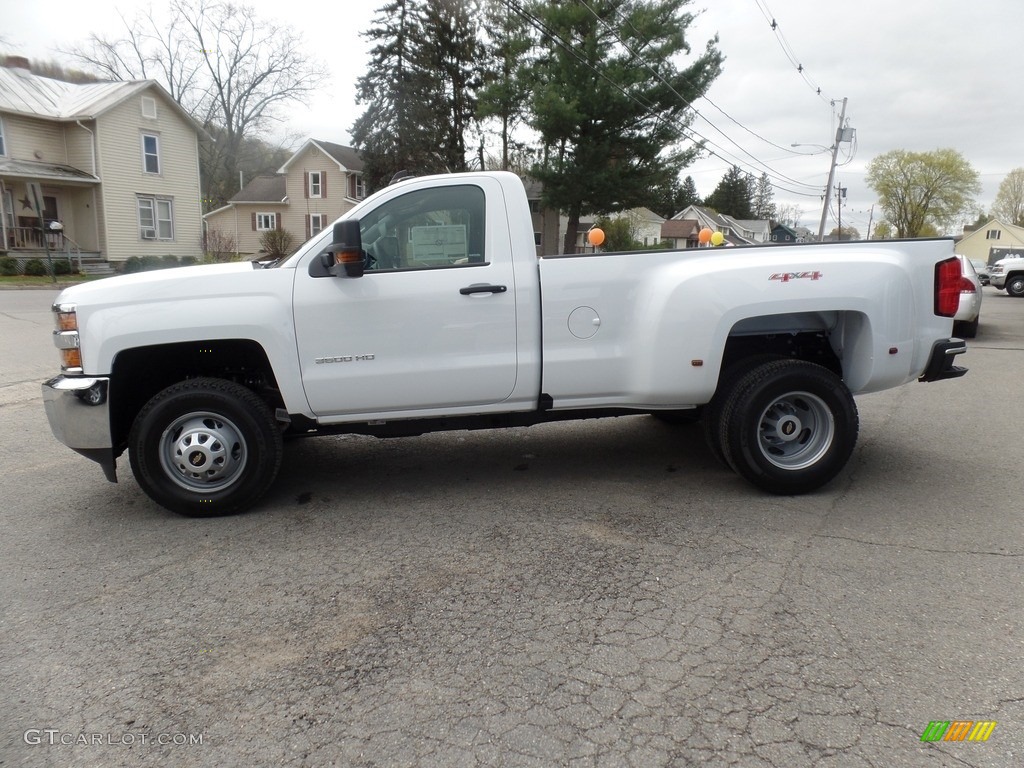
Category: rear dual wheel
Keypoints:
(787, 426)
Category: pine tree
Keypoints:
(610, 104)
(763, 203)
(505, 93)
(389, 133)
(448, 51)
(687, 195)
(732, 196)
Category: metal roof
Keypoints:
(25, 93)
(44, 171)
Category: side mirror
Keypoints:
(345, 257)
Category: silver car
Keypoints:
(965, 322)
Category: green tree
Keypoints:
(447, 54)
(917, 189)
(732, 196)
(390, 133)
(883, 231)
(763, 202)
(687, 195)
(620, 234)
(419, 89)
(1009, 203)
(610, 104)
(504, 97)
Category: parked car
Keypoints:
(981, 267)
(965, 322)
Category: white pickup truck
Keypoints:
(426, 308)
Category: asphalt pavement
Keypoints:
(596, 593)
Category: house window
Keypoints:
(993, 234)
(316, 184)
(360, 188)
(266, 221)
(150, 153)
(149, 107)
(316, 223)
(156, 218)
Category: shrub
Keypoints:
(61, 267)
(218, 246)
(170, 260)
(132, 264)
(8, 266)
(151, 262)
(188, 261)
(276, 242)
(35, 268)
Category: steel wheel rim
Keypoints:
(795, 430)
(203, 452)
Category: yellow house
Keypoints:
(317, 184)
(991, 241)
(113, 166)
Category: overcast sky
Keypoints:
(918, 75)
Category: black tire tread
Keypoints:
(266, 449)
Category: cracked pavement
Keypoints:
(596, 593)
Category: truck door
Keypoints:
(432, 322)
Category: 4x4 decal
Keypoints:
(785, 277)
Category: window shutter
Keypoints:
(254, 221)
(352, 186)
(323, 183)
(309, 227)
(305, 183)
(278, 224)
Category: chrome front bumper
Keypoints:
(78, 410)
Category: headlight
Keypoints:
(66, 337)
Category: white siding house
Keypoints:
(116, 163)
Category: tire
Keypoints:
(711, 418)
(1015, 286)
(967, 330)
(225, 430)
(790, 427)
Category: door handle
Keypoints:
(482, 288)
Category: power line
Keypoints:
(771, 171)
(788, 50)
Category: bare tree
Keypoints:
(231, 71)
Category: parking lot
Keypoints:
(581, 594)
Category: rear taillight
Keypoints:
(966, 286)
(947, 287)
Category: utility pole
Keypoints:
(840, 195)
(832, 172)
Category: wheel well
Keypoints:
(812, 346)
(140, 373)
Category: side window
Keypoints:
(427, 229)
(150, 153)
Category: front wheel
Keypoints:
(1015, 286)
(790, 426)
(205, 447)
